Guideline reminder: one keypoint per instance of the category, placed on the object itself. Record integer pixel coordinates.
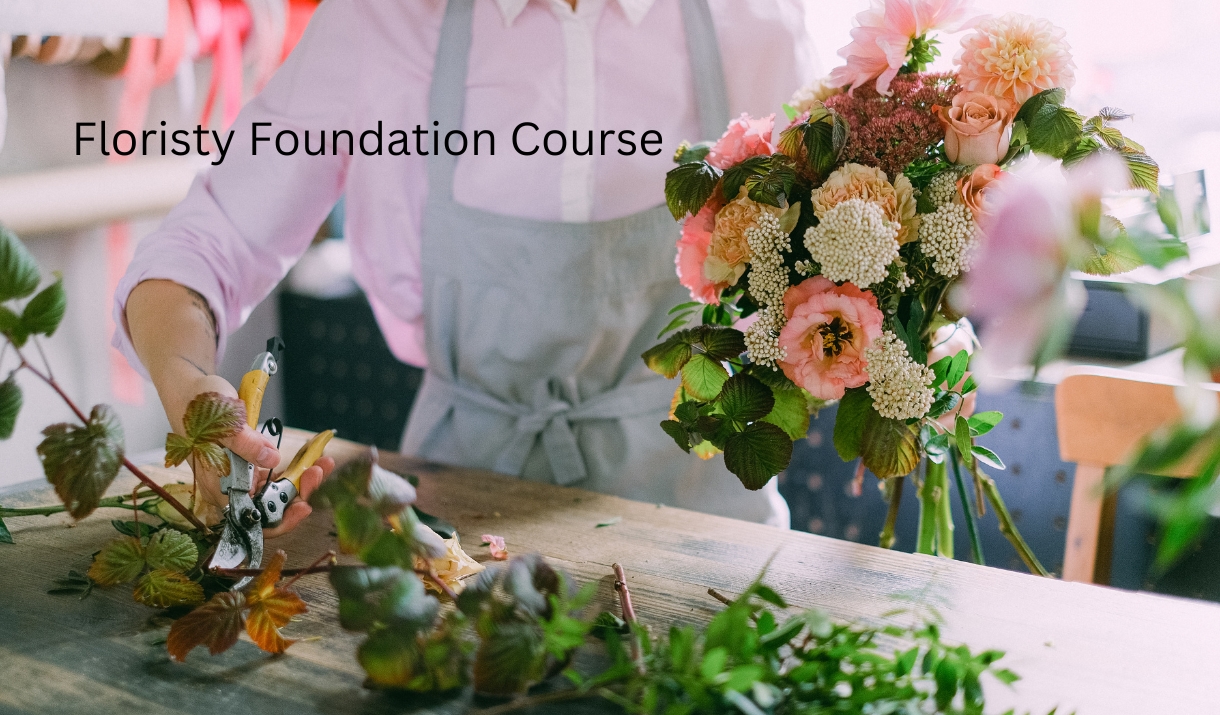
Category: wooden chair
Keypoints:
(1102, 414)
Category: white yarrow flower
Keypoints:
(897, 384)
(762, 338)
(942, 188)
(854, 242)
(768, 275)
(949, 237)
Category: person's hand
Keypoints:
(253, 446)
(298, 508)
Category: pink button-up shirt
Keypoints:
(607, 65)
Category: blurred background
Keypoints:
(83, 219)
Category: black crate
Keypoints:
(339, 373)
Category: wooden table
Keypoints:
(1086, 648)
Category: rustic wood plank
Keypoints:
(1086, 648)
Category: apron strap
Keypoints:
(550, 416)
(447, 94)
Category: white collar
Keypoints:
(634, 9)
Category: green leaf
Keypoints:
(944, 404)
(669, 357)
(703, 377)
(210, 418)
(44, 312)
(674, 429)
(689, 186)
(853, 412)
(1170, 212)
(162, 588)
(940, 368)
(957, 369)
(713, 663)
(961, 435)
(735, 176)
(358, 527)
(1055, 96)
(986, 456)
(689, 153)
(947, 676)
(119, 561)
(757, 453)
(889, 448)
(171, 550)
(18, 271)
(443, 528)
(1054, 130)
(1086, 147)
(1144, 171)
(10, 405)
(983, 422)
(791, 413)
(676, 323)
(82, 460)
(509, 660)
(6, 537)
(744, 399)
(790, 111)
(721, 343)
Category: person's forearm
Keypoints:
(173, 331)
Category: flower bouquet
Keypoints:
(834, 263)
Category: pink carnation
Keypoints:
(745, 137)
(828, 328)
(882, 37)
(692, 253)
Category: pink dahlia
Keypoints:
(883, 33)
(828, 328)
(1015, 56)
(745, 137)
(692, 254)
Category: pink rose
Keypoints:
(828, 328)
(692, 253)
(973, 188)
(744, 138)
(978, 128)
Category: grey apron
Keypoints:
(534, 329)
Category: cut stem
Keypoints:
(976, 544)
(116, 502)
(624, 595)
(894, 486)
(1007, 527)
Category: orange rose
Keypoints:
(972, 187)
(978, 128)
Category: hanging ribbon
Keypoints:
(227, 24)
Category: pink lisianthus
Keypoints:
(745, 137)
(1031, 238)
(828, 328)
(692, 254)
(495, 544)
(883, 33)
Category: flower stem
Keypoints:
(169, 499)
(926, 543)
(944, 509)
(886, 540)
(1007, 527)
(976, 544)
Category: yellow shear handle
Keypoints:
(305, 457)
(253, 384)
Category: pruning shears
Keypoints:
(241, 540)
